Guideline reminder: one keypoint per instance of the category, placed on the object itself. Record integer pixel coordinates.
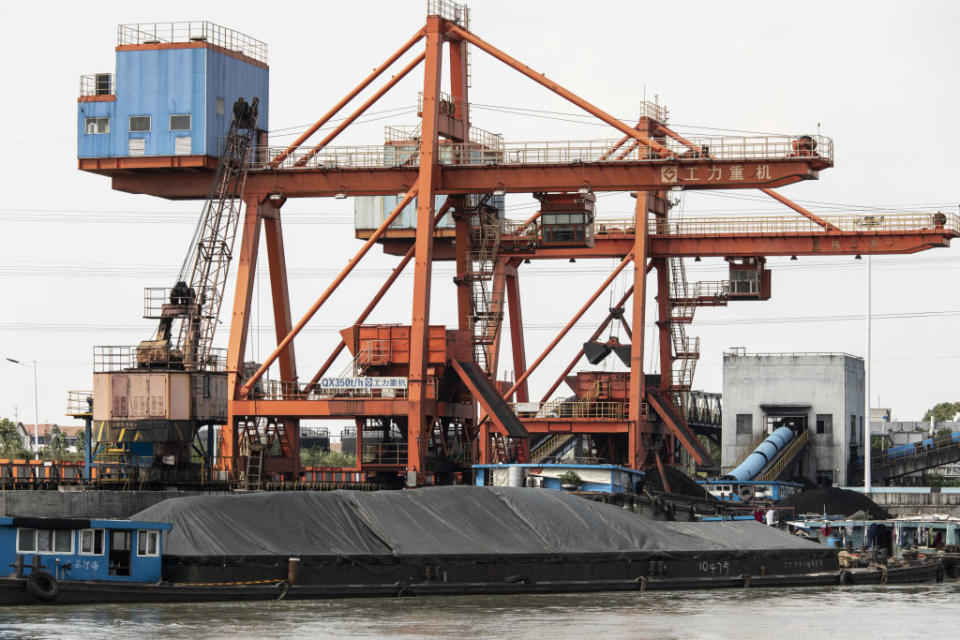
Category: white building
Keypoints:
(817, 392)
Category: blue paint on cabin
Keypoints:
(192, 79)
(606, 478)
(745, 491)
(71, 549)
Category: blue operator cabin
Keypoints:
(170, 103)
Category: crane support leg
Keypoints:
(418, 423)
(239, 322)
(516, 329)
(283, 323)
(637, 391)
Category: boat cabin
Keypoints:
(77, 549)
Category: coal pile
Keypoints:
(680, 484)
(836, 502)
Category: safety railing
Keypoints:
(384, 453)
(729, 225)
(719, 148)
(574, 409)
(197, 31)
(121, 357)
(97, 84)
(455, 12)
(79, 403)
(655, 111)
(155, 298)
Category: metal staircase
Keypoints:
(551, 446)
(686, 349)
(485, 230)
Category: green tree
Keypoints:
(317, 457)
(81, 445)
(57, 444)
(11, 446)
(942, 412)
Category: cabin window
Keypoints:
(148, 543)
(140, 123)
(220, 108)
(91, 542)
(95, 126)
(45, 541)
(180, 122)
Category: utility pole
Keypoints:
(867, 480)
(36, 409)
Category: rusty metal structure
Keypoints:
(432, 406)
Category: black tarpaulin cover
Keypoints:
(440, 521)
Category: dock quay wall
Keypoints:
(913, 501)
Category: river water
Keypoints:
(928, 611)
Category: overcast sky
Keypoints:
(878, 77)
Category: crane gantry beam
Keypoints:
(650, 159)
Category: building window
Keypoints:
(148, 543)
(137, 147)
(220, 110)
(180, 122)
(182, 145)
(96, 125)
(744, 424)
(825, 477)
(139, 123)
(103, 84)
(824, 423)
(91, 542)
(45, 541)
(853, 429)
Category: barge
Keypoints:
(433, 541)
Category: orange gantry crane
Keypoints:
(421, 413)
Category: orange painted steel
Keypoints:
(417, 419)
(627, 175)
(245, 388)
(659, 169)
(637, 422)
(360, 110)
(557, 89)
(350, 96)
(568, 326)
(374, 302)
(516, 330)
(793, 205)
(594, 336)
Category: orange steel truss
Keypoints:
(649, 159)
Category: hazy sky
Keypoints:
(878, 77)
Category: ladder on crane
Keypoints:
(487, 302)
(197, 295)
(686, 349)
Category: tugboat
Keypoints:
(72, 561)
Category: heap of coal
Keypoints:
(835, 502)
(680, 484)
(465, 522)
